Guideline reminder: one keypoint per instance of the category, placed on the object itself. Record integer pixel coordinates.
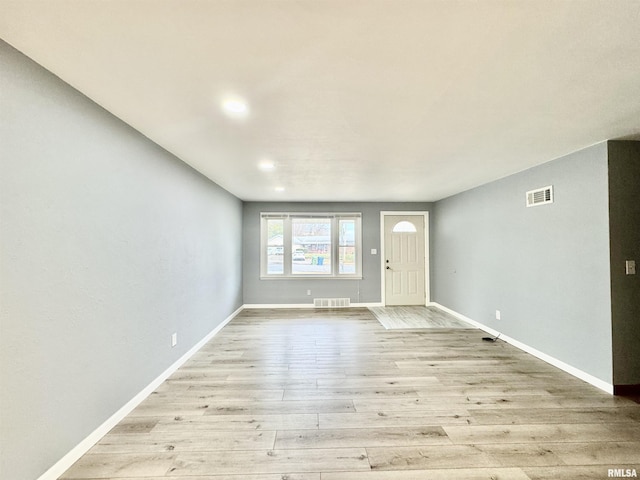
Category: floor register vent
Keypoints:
(540, 196)
(331, 302)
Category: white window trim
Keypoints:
(335, 217)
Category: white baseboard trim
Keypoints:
(85, 445)
(596, 382)
(250, 306)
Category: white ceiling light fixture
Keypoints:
(235, 107)
(279, 189)
(266, 165)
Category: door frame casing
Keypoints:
(425, 214)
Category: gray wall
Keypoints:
(294, 291)
(546, 268)
(624, 220)
(108, 245)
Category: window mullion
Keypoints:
(263, 246)
(358, 245)
(335, 246)
(286, 244)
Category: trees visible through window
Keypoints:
(275, 245)
(311, 246)
(347, 246)
(304, 245)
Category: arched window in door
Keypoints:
(404, 227)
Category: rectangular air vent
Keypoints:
(331, 302)
(540, 196)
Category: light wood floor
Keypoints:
(416, 317)
(332, 395)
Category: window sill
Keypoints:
(310, 277)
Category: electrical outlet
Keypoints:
(630, 267)
(308, 292)
(497, 314)
(174, 339)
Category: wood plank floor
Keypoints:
(333, 395)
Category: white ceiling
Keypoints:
(354, 100)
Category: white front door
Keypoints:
(404, 257)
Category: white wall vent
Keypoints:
(540, 196)
(331, 302)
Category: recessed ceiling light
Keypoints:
(266, 165)
(279, 189)
(235, 106)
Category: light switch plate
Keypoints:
(630, 266)
(374, 251)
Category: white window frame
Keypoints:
(287, 217)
